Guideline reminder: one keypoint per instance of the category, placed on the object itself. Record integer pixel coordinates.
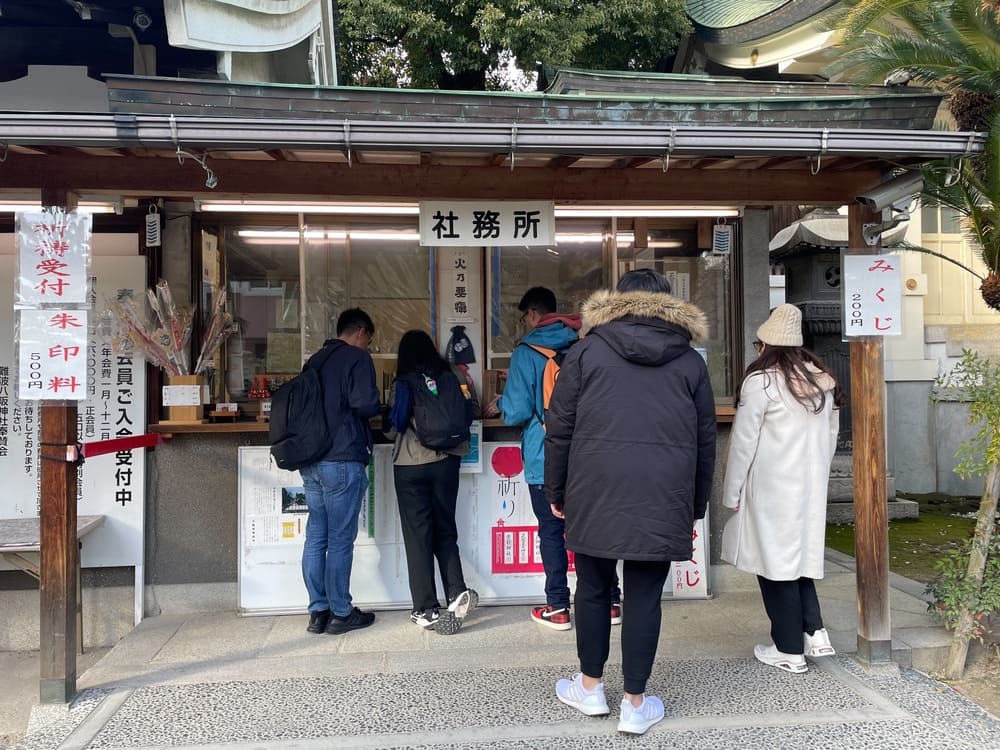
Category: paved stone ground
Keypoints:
(723, 703)
(220, 680)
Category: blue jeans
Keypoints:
(334, 492)
(552, 544)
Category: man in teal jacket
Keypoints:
(521, 404)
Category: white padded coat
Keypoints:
(777, 474)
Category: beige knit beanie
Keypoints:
(783, 328)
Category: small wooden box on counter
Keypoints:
(183, 399)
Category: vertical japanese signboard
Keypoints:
(111, 485)
(52, 354)
(53, 254)
(872, 295)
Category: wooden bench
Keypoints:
(21, 536)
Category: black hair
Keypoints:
(538, 298)
(792, 362)
(417, 353)
(644, 280)
(353, 320)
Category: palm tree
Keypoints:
(954, 47)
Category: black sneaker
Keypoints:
(448, 624)
(354, 621)
(318, 621)
(425, 618)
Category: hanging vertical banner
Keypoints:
(52, 355)
(872, 295)
(53, 252)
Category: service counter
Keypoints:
(222, 512)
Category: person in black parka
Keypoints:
(629, 458)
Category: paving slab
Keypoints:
(203, 681)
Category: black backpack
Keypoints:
(298, 431)
(442, 418)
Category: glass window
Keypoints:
(950, 221)
(287, 280)
(377, 265)
(699, 277)
(573, 269)
(929, 219)
(287, 284)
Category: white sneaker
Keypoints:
(794, 663)
(464, 603)
(590, 702)
(638, 720)
(818, 644)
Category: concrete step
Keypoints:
(842, 511)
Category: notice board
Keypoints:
(496, 537)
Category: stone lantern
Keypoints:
(809, 250)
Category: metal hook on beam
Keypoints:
(347, 142)
(823, 145)
(3, 158)
(670, 147)
(211, 181)
(513, 145)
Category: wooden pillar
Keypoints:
(871, 523)
(59, 568)
(59, 550)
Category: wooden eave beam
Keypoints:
(633, 162)
(158, 176)
(563, 161)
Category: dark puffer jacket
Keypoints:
(630, 441)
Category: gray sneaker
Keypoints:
(589, 702)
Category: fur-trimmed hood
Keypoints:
(644, 327)
(605, 306)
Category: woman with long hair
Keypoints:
(777, 471)
(426, 481)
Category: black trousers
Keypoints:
(793, 609)
(426, 496)
(643, 586)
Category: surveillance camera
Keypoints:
(897, 192)
(142, 20)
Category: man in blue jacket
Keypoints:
(336, 485)
(522, 404)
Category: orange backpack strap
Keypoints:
(549, 375)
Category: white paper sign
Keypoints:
(872, 295)
(53, 257)
(52, 355)
(487, 223)
(182, 395)
(689, 579)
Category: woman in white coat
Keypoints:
(782, 443)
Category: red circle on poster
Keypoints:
(507, 461)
